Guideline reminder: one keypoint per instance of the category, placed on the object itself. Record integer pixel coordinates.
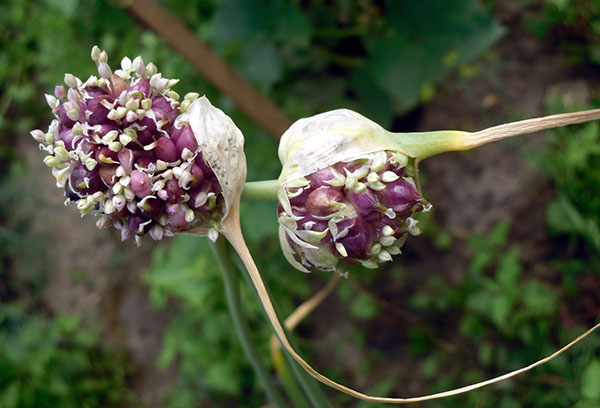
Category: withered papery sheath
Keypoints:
(347, 192)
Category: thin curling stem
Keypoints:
(305, 309)
(232, 230)
(427, 144)
(296, 317)
(233, 301)
(311, 387)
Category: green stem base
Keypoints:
(230, 281)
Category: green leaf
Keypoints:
(184, 271)
(363, 307)
(9, 397)
(170, 348)
(64, 7)
(223, 377)
(261, 63)
(486, 248)
(430, 366)
(238, 20)
(590, 381)
(564, 217)
(259, 221)
(374, 102)
(509, 269)
(586, 404)
(538, 299)
(577, 155)
(427, 39)
(500, 310)
(292, 26)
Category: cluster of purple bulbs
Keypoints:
(121, 150)
(357, 211)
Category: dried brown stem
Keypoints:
(521, 127)
(305, 309)
(216, 71)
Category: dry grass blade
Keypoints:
(304, 310)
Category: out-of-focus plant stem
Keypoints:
(290, 323)
(311, 387)
(288, 380)
(233, 301)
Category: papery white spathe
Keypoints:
(222, 146)
(341, 135)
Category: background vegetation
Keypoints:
(472, 298)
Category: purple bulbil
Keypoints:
(359, 211)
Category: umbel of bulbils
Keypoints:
(125, 147)
(346, 193)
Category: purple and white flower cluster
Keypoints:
(122, 148)
(356, 211)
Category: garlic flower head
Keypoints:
(126, 147)
(347, 192)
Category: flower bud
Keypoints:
(38, 135)
(347, 192)
(60, 92)
(84, 181)
(123, 150)
(104, 70)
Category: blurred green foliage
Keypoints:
(507, 320)
(55, 363)
(509, 315)
(201, 334)
(572, 160)
(576, 20)
(378, 58)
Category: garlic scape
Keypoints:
(349, 192)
